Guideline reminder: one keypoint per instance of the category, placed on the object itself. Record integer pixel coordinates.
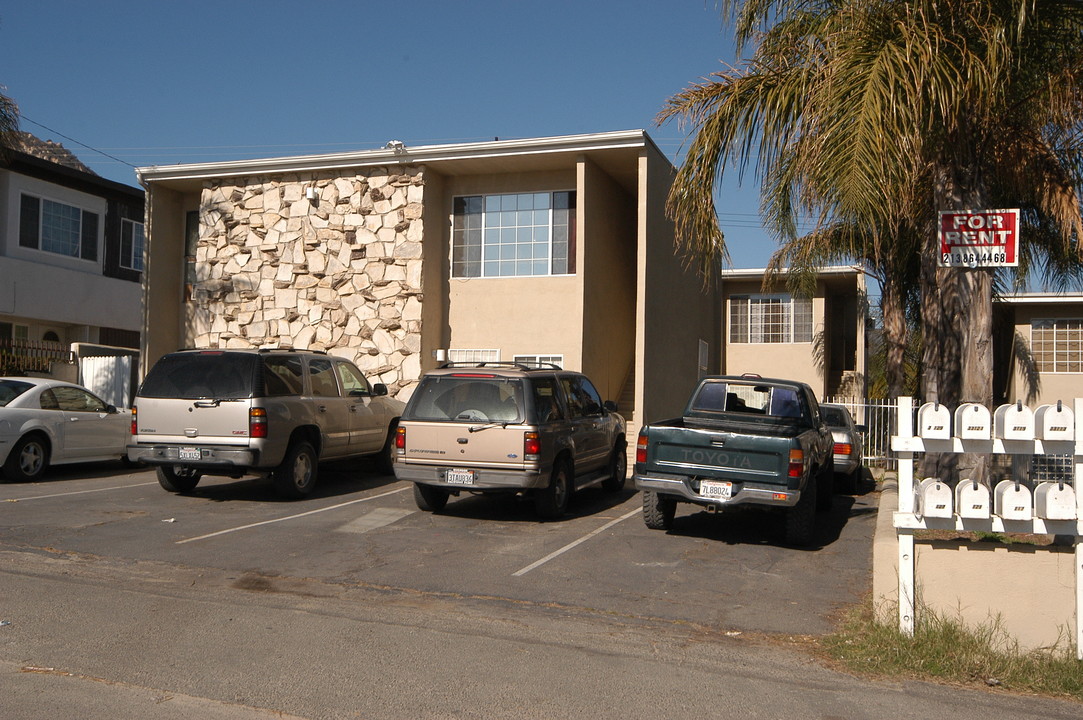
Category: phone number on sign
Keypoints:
(973, 258)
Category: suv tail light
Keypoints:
(135, 423)
(531, 446)
(641, 448)
(843, 448)
(797, 463)
(400, 440)
(257, 423)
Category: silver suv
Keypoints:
(508, 427)
(275, 413)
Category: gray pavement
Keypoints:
(129, 602)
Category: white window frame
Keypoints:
(485, 229)
(473, 355)
(554, 358)
(754, 330)
(1063, 347)
(133, 258)
(43, 198)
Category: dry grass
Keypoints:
(944, 649)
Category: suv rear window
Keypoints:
(468, 398)
(195, 376)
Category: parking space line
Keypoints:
(292, 517)
(571, 545)
(80, 492)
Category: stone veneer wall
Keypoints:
(341, 274)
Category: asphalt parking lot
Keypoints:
(729, 571)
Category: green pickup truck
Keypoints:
(743, 440)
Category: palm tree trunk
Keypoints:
(893, 311)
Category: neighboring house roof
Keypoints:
(47, 150)
(757, 273)
(465, 158)
(1042, 299)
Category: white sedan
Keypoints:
(45, 422)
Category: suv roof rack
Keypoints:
(518, 365)
(260, 350)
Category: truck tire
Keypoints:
(825, 489)
(801, 518)
(618, 469)
(658, 510)
(296, 476)
(430, 498)
(552, 502)
(177, 478)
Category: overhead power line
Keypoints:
(71, 139)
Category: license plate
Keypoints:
(716, 490)
(187, 453)
(460, 477)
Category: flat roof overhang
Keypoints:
(616, 153)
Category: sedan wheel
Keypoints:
(28, 459)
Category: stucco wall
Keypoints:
(792, 361)
(1030, 589)
(515, 315)
(674, 312)
(1051, 386)
(609, 244)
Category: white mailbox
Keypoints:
(1054, 501)
(1054, 422)
(972, 500)
(973, 422)
(933, 499)
(1014, 422)
(1012, 501)
(934, 421)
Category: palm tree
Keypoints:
(876, 114)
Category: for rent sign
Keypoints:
(979, 238)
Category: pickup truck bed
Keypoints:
(741, 441)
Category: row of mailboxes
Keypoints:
(1011, 500)
(1010, 422)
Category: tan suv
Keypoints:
(276, 413)
(508, 427)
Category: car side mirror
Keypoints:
(379, 389)
(111, 409)
(861, 428)
(610, 406)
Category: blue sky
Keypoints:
(160, 82)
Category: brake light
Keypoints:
(531, 446)
(641, 449)
(257, 423)
(135, 423)
(843, 448)
(400, 440)
(797, 463)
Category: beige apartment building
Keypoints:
(553, 249)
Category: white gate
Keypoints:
(108, 377)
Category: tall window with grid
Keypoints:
(1057, 345)
(514, 235)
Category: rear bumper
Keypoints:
(211, 457)
(683, 488)
(485, 478)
